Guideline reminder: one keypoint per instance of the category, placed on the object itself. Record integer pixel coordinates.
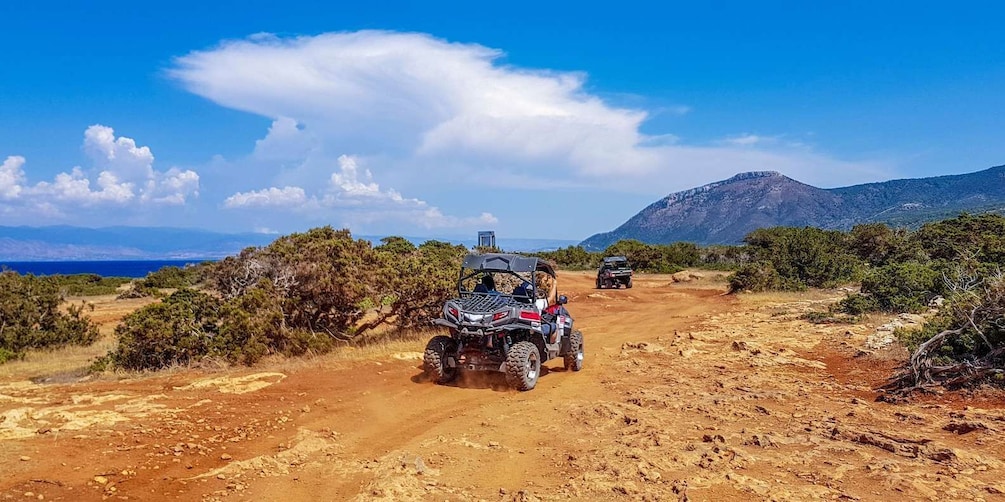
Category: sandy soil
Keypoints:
(685, 394)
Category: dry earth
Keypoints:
(685, 394)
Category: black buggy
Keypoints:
(614, 272)
(508, 317)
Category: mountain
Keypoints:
(725, 211)
(66, 243)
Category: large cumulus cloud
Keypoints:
(420, 108)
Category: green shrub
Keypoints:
(178, 330)
(979, 238)
(857, 304)
(170, 277)
(805, 256)
(30, 317)
(252, 326)
(88, 284)
(571, 258)
(8, 355)
(759, 276)
(138, 289)
(881, 245)
(719, 257)
(902, 287)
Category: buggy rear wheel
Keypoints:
(439, 361)
(574, 358)
(523, 366)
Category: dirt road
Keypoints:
(685, 394)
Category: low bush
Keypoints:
(177, 331)
(857, 304)
(964, 343)
(902, 287)
(172, 277)
(30, 317)
(760, 276)
(805, 256)
(88, 284)
(138, 290)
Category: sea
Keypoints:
(106, 268)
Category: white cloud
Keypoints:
(119, 156)
(353, 194)
(749, 140)
(289, 197)
(172, 186)
(349, 186)
(75, 188)
(430, 109)
(11, 177)
(123, 176)
(433, 218)
(286, 140)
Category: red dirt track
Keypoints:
(685, 394)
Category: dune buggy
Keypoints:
(507, 317)
(614, 272)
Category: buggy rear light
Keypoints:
(452, 311)
(530, 316)
(500, 315)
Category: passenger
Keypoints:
(488, 285)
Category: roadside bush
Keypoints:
(171, 277)
(30, 317)
(656, 258)
(571, 258)
(176, 331)
(252, 326)
(902, 287)
(978, 238)
(138, 290)
(857, 304)
(88, 284)
(759, 276)
(805, 256)
(422, 281)
(719, 257)
(879, 245)
(964, 344)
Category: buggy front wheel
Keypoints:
(439, 361)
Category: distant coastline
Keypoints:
(105, 268)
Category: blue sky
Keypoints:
(552, 121)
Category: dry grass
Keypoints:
(809, 295)
(106, 311)
(63, 361)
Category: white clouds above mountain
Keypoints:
(290, 197)
(352, 195)
(388, 132)
(425, 105)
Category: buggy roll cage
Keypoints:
(479, 264)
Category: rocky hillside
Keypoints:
(725, 211)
